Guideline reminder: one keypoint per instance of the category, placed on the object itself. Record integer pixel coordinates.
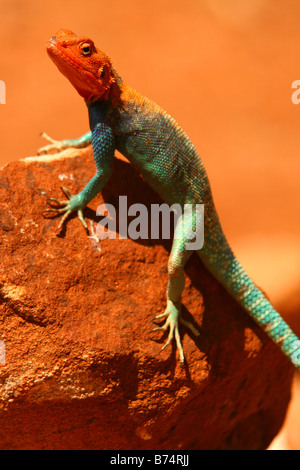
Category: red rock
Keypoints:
(83, 370)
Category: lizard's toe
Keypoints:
(65, 208)
(172, 322)
(55, 145)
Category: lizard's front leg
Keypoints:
(59, 145)
(176, 281)
(103, 150)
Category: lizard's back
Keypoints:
(153, 141)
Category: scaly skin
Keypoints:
(123, 119)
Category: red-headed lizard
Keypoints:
(123, 119)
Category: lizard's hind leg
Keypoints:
(176, 281)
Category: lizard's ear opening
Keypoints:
(104, 72)
(105, 76)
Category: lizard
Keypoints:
(122, 119)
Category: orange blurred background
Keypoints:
(224, 70)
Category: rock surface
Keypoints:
(82, 368)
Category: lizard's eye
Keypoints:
(86, 48)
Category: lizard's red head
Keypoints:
(88, 69)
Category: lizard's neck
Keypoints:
(112, 94)
(98, 112)
(115, 91)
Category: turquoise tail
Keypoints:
(221, 262)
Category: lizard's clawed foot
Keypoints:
(55, 145)
(173, 311)
(73, 203)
